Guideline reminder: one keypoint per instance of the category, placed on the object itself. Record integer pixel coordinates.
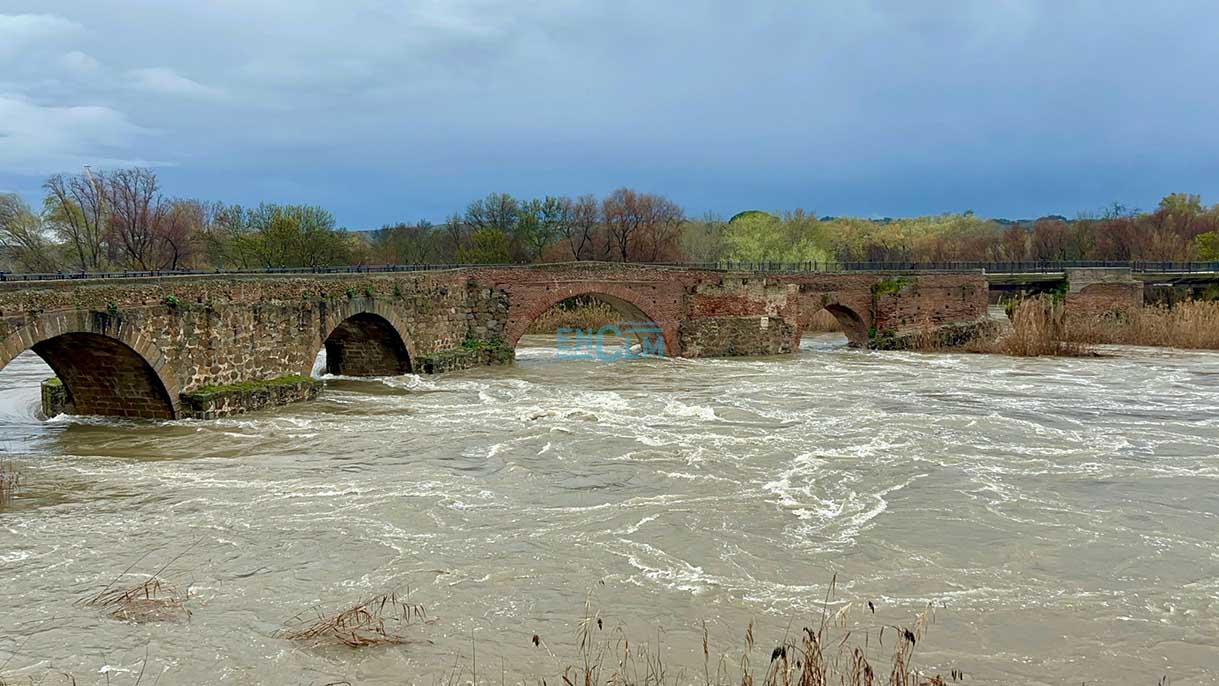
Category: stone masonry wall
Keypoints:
(160, 338)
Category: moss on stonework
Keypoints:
(473, 353)
(206, 392)
(891, 285)
(479, 344)
(53, 381)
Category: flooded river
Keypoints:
(1062, 516)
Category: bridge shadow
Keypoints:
(365, 344)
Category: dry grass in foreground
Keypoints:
(827, 652)
(378, 621)
(10, 482)
(1190, 324)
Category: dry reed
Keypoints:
(152, 600)
(821, 321)
(10, 483)
(378, 621)
(577, 313)
(1038, 329)
(828, 651)
(1189, 324)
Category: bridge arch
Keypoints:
(630, 304)
(365, 339)
(853, 324)
(107, 368)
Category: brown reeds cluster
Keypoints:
(381, 620)
(152, 600)
(577, 313)
(821, 321)
(1189, 324)
(10, 483)
(1038, 328)
(830, 651)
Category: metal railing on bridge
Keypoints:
(1023, 267)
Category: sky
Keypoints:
(399, 111)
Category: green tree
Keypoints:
(295, 236)
(1208, 246)
(761, 237)
(486, 246)
(23, 237)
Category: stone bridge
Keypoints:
(208, 345)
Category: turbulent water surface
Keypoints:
(1062, 517)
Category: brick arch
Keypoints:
(855, 323)
(625, 300)
(108, 368)
(364, 338)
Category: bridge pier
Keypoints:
(1101, 292)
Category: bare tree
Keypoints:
(583, 217)
(622, 221)
(660, 228)
(496, 211)
(77, 211)
(455, 232)
(178, 232)
(136, 211)
(641, 226)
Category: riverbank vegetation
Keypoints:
(124, 219)
(830, 649)
(1187, 324)
(1038, 328)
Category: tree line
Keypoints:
(120, 219)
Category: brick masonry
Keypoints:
(1093, 293)
(133, 347)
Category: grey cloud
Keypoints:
(403, 110)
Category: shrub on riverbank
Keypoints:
(1189, 324)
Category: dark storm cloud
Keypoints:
(386, 111)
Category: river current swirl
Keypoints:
(1061, 515)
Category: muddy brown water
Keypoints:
(1061, 515)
